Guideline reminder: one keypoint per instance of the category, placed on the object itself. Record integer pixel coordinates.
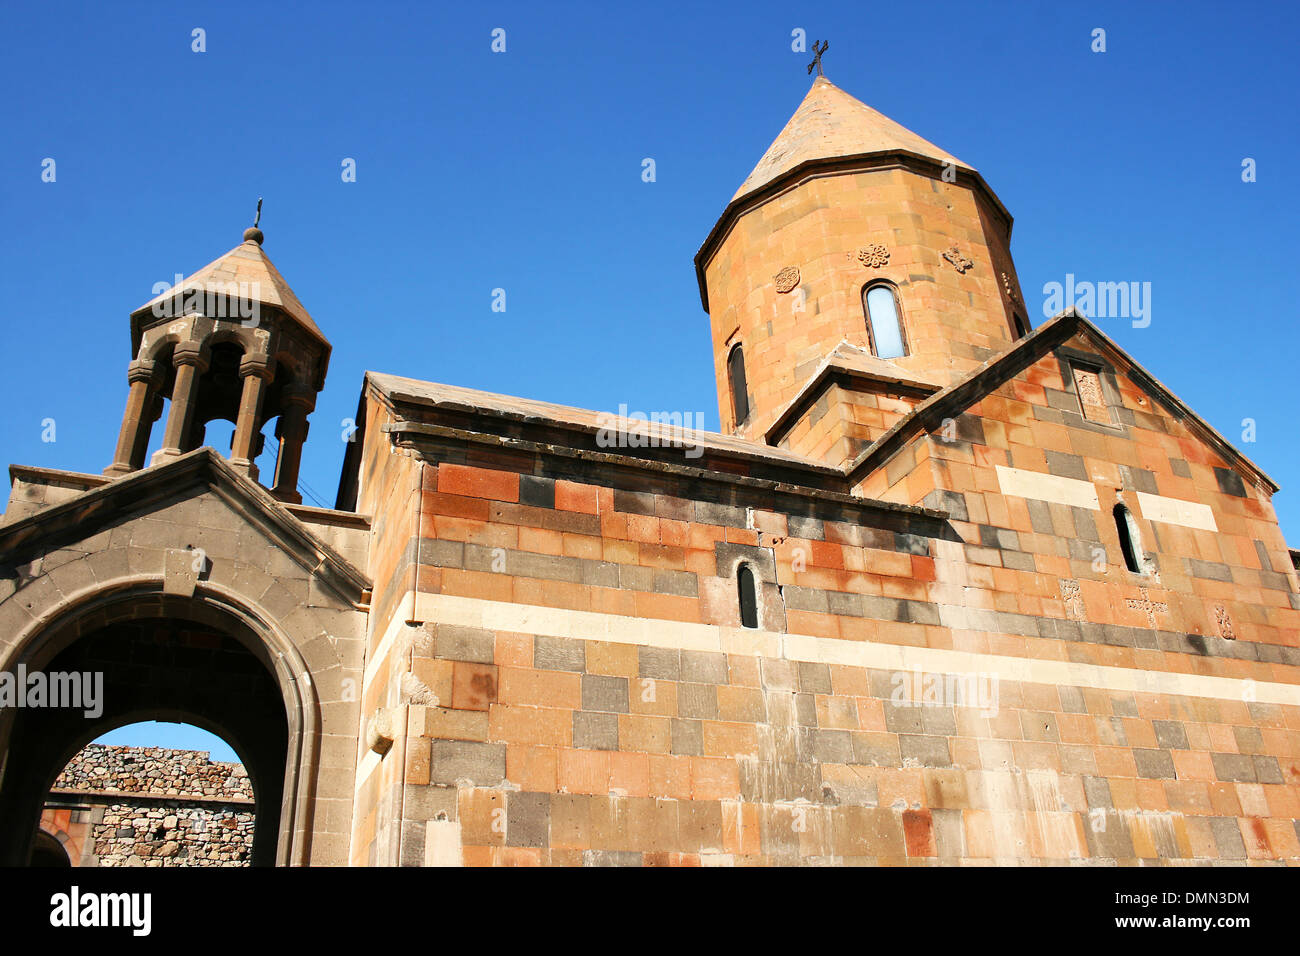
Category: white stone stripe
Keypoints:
(1035, 484)
(592, 625)
(401, 615)
(1189, 514)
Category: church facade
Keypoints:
(945, 588)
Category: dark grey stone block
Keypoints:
(810, 529)
(1267, 769)
(1154, 764)
(528, 819)
(1230, 482)
(611, 858)
(539, 493)
(704, 667)
(1170, 734)
(697, 700)
(604, 693)
(1234, 767)
(1066, 466)
(559, 653)
(1227, 837)
(659, 663)
(688, 737)
(455, 643)
(452, 760)
(814, 678)
(595, 731)
(1097, 791)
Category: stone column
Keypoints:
(298, 402)
(133, 440)
(153, 411)
(191, 361)
(255, 371)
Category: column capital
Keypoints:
(191, 353)
(256, 364)
(143, 370)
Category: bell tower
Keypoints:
(229, 343)
(858, 269)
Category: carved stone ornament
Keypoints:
(1225, 623)
(1010, 286)
(1149, 607)
(873, 256)
(959, 262)
(787, 279)
(1072, 597)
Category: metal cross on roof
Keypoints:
(817, 59)
(258, 217)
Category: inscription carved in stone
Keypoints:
(873, 256)
(787, 279)
(1225, 623)
(959, 262)
(1073, 599)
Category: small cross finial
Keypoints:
(818, 50)
(258, 218)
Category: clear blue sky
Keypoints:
(522, 171)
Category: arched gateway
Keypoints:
(142, 654)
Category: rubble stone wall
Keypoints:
(152, 806)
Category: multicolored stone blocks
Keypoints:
(572, 686)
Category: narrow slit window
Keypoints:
(1130, 543)
(883, 322)
(1021, 326)
(739, 390)
(748, 596)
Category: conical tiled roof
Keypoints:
(830, 124)
(249, 265)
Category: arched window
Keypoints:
(1130, 542)
(739, 390)
(880, 305)
(1020, 325)
(748, 596)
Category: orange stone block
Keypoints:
(474, 482)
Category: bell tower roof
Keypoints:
(252, 274)
(831, 124)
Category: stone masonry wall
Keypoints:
(579, 690)
(152, 806)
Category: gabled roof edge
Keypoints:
(144, 487)
(992, 373)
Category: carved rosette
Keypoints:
(787, 279)
(958, 261)
(874, 256)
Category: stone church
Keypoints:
(946, 588)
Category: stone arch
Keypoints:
(106, 620)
